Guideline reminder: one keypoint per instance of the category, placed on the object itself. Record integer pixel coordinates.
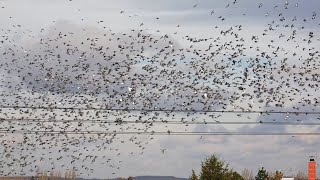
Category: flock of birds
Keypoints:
(74, 91)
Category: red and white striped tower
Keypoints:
(312, 169)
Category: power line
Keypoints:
(167, 133)
(158, 110)
(97, 121)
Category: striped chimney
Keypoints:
(311, 169)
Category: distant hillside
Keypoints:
(134, 178)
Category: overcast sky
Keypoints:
(31, 21)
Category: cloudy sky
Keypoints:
(281, 67)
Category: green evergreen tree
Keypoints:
(215, 169)
(193, 176)
(235, 176)
(262, 174)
